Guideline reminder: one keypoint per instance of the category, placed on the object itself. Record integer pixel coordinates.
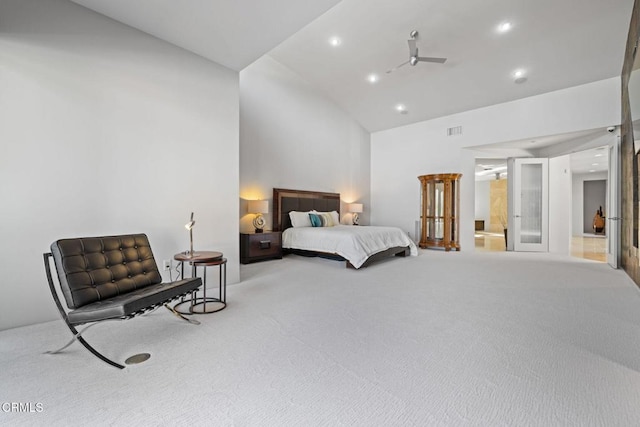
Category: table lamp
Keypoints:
(189, 226)
(355, 209)
(258, 207)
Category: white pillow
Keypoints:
(300, 219)
(334, 216)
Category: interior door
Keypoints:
(530, 207)
(613, 207)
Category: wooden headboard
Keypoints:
(285, 201)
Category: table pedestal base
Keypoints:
(200, 305)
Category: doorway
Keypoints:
(594, 197)
(573, 159)
(589, 182)
(592, 243)
(491, 201)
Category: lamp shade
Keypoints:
(258, 206)
(355, 207)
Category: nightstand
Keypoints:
(260, 246)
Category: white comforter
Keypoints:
(354, 243)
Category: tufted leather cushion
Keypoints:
(128, 303)
(98, 268)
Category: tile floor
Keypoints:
(593, 247)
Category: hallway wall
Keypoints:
(595, 198)
(560, 204)
(581, 220)
(498, 209)
(483, 211)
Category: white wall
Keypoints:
(106, 130)
(560, 204)
(483, 202)
(577, 199)
(399, 155)
(292, 137)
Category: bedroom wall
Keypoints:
(400, 155)
(292, 136)
(106, 130)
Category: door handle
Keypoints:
(517, 216)
(615, 218)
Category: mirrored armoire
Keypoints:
(440, 211)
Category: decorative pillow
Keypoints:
(300, 219)
(334, 217)
(316, 220)
(327, 220)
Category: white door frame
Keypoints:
(613, 204)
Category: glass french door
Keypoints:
(529, 210)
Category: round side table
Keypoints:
(207, 304)
(204, 304)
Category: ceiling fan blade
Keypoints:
(430, 59)
(413, 48)
(395, 68)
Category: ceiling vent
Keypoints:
(454, 131)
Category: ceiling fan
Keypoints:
(414, 58)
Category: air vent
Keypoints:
(454, 131)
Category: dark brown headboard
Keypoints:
(285, 201)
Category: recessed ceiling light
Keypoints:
(504, 27)
(335, 41)
(372, 78)
(401, 108)
(594, 164)
(519, 76)
(598, 155)
(592, 170)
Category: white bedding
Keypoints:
(354, 243)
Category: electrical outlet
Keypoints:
(167, 264)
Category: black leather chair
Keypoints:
(109, 278)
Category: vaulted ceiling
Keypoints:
(555, 44)
(233, 33)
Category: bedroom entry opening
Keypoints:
(491, 181)
(512, 207)
(594, 204)
(575, 215)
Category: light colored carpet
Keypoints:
(439, 339)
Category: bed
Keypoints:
(359, 246)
